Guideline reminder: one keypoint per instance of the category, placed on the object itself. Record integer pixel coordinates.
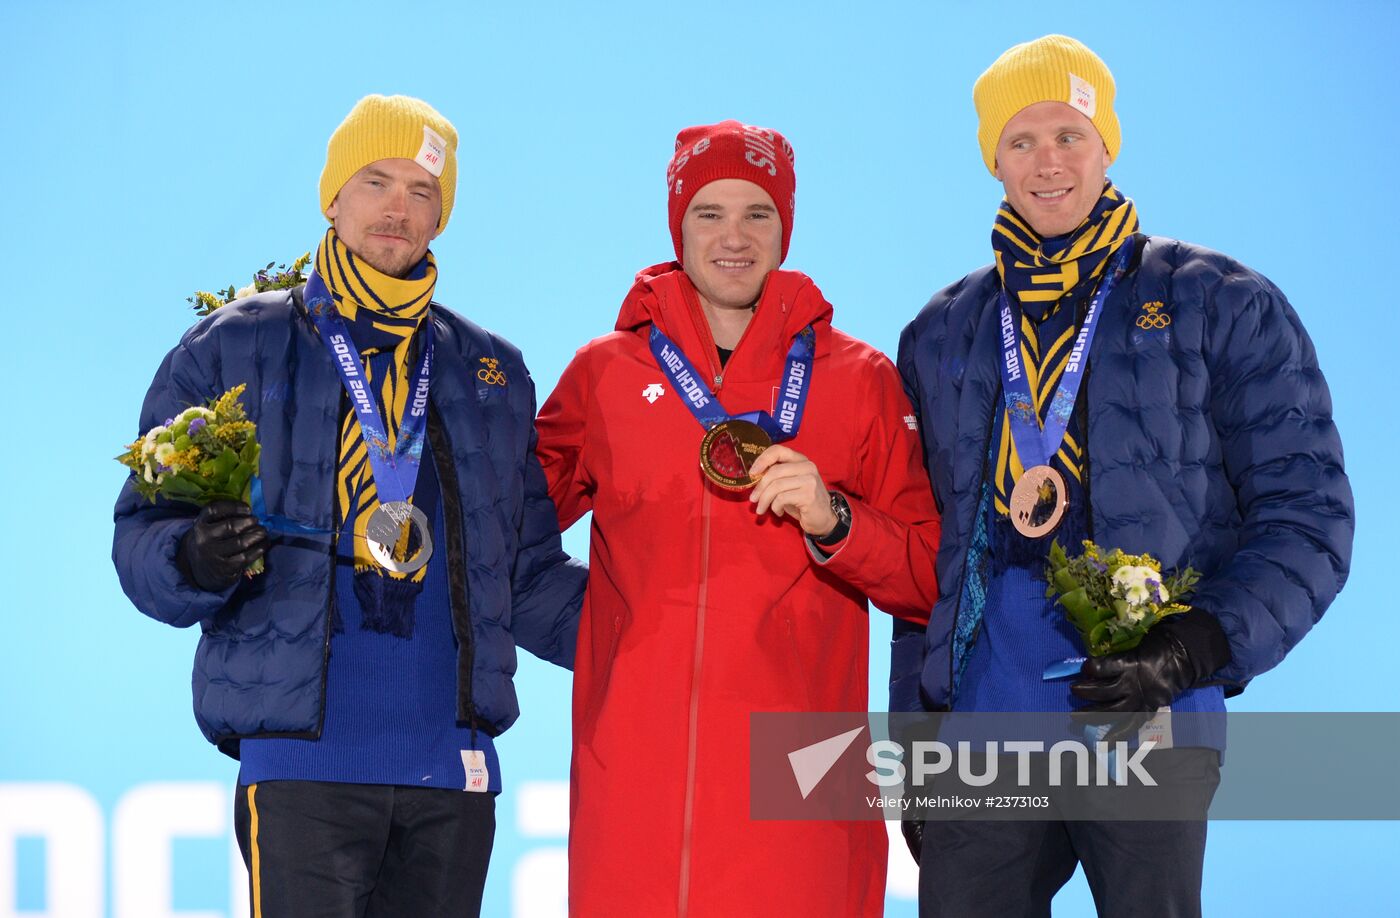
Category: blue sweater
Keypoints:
(390, 701)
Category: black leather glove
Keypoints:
(1179, 652)
(913, 830)
(224, 540)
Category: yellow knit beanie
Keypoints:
(392, 127)
(1050, 69)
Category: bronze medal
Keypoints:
(1039, 501)
(729, 449)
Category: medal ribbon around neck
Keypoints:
(732, 441)
(1035, 444)
(701, 400)
(394, 470)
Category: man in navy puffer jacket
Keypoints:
(362, 690)
(1181, 414)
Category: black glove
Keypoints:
(224, 540)
(1179, 652)
(913, 830)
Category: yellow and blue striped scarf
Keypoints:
(1039, 273)
(382, 313)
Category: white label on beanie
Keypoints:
(1081, 96)
(433, 154)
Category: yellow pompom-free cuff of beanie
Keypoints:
(1055, 68)
(392, 127)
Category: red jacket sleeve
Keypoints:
(890, 551)
(561, 425)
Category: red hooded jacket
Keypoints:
(699, 611)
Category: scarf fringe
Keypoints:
(386, 603)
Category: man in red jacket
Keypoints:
(755, 476)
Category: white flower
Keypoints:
(163, 453)
(196, 411)
(246, 291)
(1138, 583)
(148, 443)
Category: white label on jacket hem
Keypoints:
(478, 775)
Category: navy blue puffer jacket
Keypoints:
(260, 665)
(1210, 443)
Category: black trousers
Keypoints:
(324, 850)
(1144, 868)
(1014, 869)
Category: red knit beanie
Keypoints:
(730, 150)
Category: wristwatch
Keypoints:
(842, 509)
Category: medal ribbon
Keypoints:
(1036, 444)
(697, 396)
(395, 473)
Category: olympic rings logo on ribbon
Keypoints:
(1153, 317)
(490, 374)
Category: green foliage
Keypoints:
(207, 453)
(1113, 598)
(282, 278)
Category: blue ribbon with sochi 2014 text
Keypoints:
(701, 400)
(395, 472)
(1035, 444)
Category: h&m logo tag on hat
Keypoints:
(433, 154)
(1081, 96)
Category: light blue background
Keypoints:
(152, 149)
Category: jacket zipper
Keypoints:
(957, 607)
(458, 595)
(331, 602)
(692, 730)
(694, 714)
(712, 350)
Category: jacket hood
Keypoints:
(662, 295)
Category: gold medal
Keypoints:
(729, 449)
(1039, 501)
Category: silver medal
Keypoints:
(384, 529)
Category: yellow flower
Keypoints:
(208, 301)
(229, 431)
(228, 402)
(184, 460)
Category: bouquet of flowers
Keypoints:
(1113, 598)
(203, 454)
(283, 278)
